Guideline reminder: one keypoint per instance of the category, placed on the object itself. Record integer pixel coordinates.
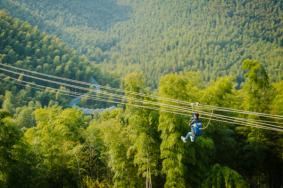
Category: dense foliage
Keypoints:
(23, 45)
(185, 50)
(133, 147)
(157, 37)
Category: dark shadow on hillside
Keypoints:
(97, 14)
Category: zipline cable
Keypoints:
(185, 110)
(235, 119)
(142, 94)
(158, 109)
(151, 96)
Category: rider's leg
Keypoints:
(191, 135)
(188, 135)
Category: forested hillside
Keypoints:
(158, 37)
(25, 46)
(97, 93)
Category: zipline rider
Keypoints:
(196, 128)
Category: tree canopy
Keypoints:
(217, 53)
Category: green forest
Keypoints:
(97, 94)
(159, 37)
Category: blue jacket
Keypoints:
(196, 127)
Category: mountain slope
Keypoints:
(157, 37)
(23, 45)
(211, 36)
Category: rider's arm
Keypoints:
(192, 122)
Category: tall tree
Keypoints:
(256, 86)
(172, 127)
(259, 143)
(117, 142)
(142, 131)
(56, 141)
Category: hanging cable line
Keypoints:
(42, 88)
(123, 97)
(222, 109)
(186, 109)
(160, 109)
(183, 103)
(172, 108)
(256, 120)
(150, 96)
(207, 124)
(222, 118)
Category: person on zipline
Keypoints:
(196, 127)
